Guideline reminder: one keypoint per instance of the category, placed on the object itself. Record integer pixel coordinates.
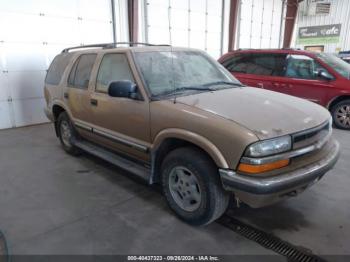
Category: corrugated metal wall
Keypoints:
(339, 14)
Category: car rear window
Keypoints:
(57, 68)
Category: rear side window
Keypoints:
(57, 68)
(257, 64)
(80, 74)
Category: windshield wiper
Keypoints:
(204, 87)
(223, 83)
(199, 88)
(182, 89)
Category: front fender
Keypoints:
(193, 138)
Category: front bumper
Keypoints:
(284, 183)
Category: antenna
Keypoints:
(171, 51)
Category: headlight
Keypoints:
(269, 147)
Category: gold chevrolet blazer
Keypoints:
(176, 117)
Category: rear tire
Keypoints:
(341, 114)
(67, 134)
(192, 187)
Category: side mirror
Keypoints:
(123, 88)
(324, 75)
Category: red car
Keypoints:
(319, 77)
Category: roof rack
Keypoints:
(291, 48)
(109, 45)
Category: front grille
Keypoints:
(311, 136)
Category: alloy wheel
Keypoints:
(343, 116)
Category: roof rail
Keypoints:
(242, 49)
(291, 48)
(109, 45)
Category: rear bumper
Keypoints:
(295, 179)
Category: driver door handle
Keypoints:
(93, 102)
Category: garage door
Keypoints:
(35, 31)
(196, 24)
(260, 23)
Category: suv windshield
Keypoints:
(167, 73)
(336, 63)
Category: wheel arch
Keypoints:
(337, 100)
(57, 109)
(170, 139)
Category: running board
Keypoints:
(115, 159)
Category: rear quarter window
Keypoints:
(56, 69)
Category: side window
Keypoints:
(318, 68)
(268, 64)
(57, 68)
(303, 67)
(72, 73)
(80, 74)
(257, 64)
(236, 63)
(114, 67)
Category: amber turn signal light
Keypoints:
(255, 169)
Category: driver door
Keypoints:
(120, 123)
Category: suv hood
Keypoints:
(266, 113)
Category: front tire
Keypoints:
(67, 134)
(341, 115)
(192, 187)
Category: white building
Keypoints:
(326, 24)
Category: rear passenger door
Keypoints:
(262, 70)
(77, 93)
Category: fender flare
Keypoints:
(64, 107)
(336, 98)
(191, 137)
